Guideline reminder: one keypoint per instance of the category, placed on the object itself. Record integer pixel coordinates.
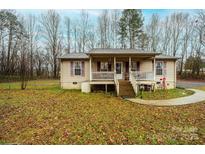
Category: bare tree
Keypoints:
(33, 32)
(103, 25)
(67, 23)
(200, 22)
(24, 63)
(84, 28)
(153, 30)
(186, 34)
(74, 31)
(115, 16)
(166, 36)
(51, 29)
(177, 23)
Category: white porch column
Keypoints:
(90, 68)
(114, 65)
(130, 66)
(154, 71)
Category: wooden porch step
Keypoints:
(126, 89)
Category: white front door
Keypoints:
(119, 70)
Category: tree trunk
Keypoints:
(31, 63)
(181, 66)
(54, 67)
(9, 50)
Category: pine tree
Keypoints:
(122, 32)
(130, 27)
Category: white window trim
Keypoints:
(162, 68)
(74, 65)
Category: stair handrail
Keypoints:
(133, 82)
(116, 84)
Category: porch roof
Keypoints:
(107, 51)
(167, 57)
(74, 56)
(120, 52)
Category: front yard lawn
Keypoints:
(165, 94)
(56, 116)
(34, 84)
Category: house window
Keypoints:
(159, 67)
(77, 68)
(104, 66)
(135, 66)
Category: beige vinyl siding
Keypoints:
(146, 66)
(170, 74)
(67, 79)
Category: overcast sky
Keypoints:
(95, 13)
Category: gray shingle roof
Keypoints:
(166, 57)
(74, 56)
(114, 51)
(120, 51)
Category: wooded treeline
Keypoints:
(30, 44)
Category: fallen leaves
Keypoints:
(55, 116)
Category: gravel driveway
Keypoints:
(189, 84)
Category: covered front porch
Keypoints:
(125, 72)
(110, 68)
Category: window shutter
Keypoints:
(153, 65)
(138, 66)
(98, 66)
(109, 66)
(71, 68)
(83, 68)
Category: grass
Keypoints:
(165, 94)
(34, 84)
(200, 88)
(55, 116)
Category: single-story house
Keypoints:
(126, 69)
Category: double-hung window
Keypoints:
(77, 68)
(160, 68)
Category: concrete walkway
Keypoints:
(198, 96)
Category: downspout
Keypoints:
(175, 74)
(154, 71)
(90, 68)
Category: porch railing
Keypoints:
(143, 75)
(103, 75)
